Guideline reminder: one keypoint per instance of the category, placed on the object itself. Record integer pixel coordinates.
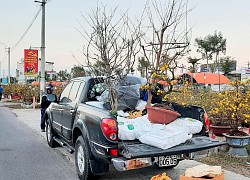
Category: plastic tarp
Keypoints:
(128, 94)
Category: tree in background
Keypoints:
(77, 71)
(211, 45)
(226, 64)
(63, 75)
(47, 77)
(143, 66)
(194, 62)
(98, 68)
(218, 45)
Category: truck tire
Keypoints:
(50, 134)
(82, 160)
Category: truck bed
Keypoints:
(135, 149)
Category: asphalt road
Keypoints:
(24, 154)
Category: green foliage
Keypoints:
(226, 64)
(211, 45)
(63, 75)
(194, 62)
(143, 65)
(77, 71)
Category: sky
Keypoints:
(64, 43)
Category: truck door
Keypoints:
(57, 109)
(69, 109)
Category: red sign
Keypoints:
(30, 62)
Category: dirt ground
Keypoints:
(230, 163)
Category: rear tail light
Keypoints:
(207, 122)
(114, 152)
(110, 129)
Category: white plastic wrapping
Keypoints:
(191, 126)
(165, 137)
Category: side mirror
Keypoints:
(51, 97)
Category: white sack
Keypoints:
(131, 129)
(144, 124)
(164, 138)
(191, 126)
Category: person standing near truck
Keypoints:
(44, 105)
(1, 92)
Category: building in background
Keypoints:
(245, 74)
(215, 68)
(20, 72)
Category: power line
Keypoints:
(33, 20)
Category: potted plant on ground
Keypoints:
(234, 108)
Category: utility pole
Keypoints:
(8, 50)
(42, 79)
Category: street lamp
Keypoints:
(8, 50)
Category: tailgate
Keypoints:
(139, 150)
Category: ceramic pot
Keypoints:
(237, 145)
(160, 115)
(219, 130)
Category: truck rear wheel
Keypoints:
(49, 134)
(82, 160)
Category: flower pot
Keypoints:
(160, 115)
(237, 145)
(219, 130)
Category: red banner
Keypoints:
(30, 62)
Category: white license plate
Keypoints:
(167, 160)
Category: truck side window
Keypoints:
(96, 90)
(64, 98)
(74, 91)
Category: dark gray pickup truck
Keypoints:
(92, 133)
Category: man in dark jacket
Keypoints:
(44, 105)
(1, 92)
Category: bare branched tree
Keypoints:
(113, 43)
(169, 35)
